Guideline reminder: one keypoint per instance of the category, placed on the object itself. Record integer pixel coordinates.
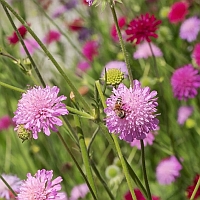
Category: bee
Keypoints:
(118, 108)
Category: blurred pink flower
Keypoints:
(183, 113)
(144, 51)
(79, 191)
(196, 54)
(52, 36)
(190, 29)
(83, 66)
(178, 12)
(90, 49)
(5, 122)
(190, 189)
(168, 170)
(31, 45)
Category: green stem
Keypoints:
(126, 57)
(80, 113)
(100, 93)
(11, 87)
(75, 91)
(124, 166)
(144, 170)
(92, 139)
(85, 155)
(195, 189)
(22, 42)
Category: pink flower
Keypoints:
(31, 45)
(178, 12)
(144, 51)
(90, 49)
(183, 113)
(142, 28)
(196, 54)
(41, 186)
(89, 2)
(185, 81)
(83, 66)
(39, 109)
(168, 170)
(189, 29)
(79, 191)
(52, 36)
(5, 122)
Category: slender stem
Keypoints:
(76, 93)
(144, 170)
(126, 57)
(24, 46)
(195, 189)
(78, 166)
(124, 166)
(92, 139)
(11, 87)
(80, 113)
(100, 93)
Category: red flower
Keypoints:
(196, 54)
(113, 32)
(76, 25)
(190, 188)
(142, 28)
(52, 36)
(13, 39)
(90, 49)
(178, 12)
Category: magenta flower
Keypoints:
(14, 183)
(89, 2)
(144, 51)
(190, 189)
(142, 28)
(185, 81)
(168, 170)
(5, 122)
(52, 36)
(83, 66)
(131, 112)
(90, 49)
(178, 12)
(196, 54)
(38, 110)
(31, 45)
(41, 186)
(190, 29)
(183, 113)
(79, 191)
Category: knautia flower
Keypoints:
(185, 81)
(38, 110)
(190, 189)
(41, 186)
(131, 112)
(79, 191)
(83, 66)
(142, 28)
(178, 11)
(52, 36)
(14, 183)
(196, 54)
(190, 28)
(90, 49)
(183, 113)
(89, 2)
(31, 46)
(144, 51)
(5, 122)
(168, 170)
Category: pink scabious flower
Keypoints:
(41, 186)
(52, 36)
(79, 191)
(190, 189)
(144, 51)
(83, 66)
(178, 11)
(14, 183)
(190, 29)
(31, 46)
(5, 122)
(142, 28)
(89, 2)
(168, 170)
(131, 112)
(38, 110)
(196, 54)
(122, 25)
(185, 81)
(183, 113)
(90, 49)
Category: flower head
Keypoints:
(79, 191)
(178, 11)
(83, 66)
(39, 109)
(196, 54)
(183, 113)
(185, 81)
(90, 49)
(14, 183)
(52, 36)
(89, 2)
(41, 186)
(142, 28)
(191, 188)
(168, 170)
(13, 39)
(31, 46)
(189, 29)
(144, 51)
(131, 112)
(5, 122)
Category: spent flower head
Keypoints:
(131, 112)
(38, 110)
